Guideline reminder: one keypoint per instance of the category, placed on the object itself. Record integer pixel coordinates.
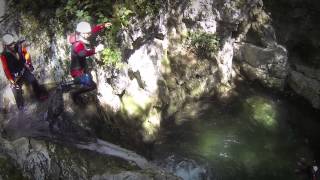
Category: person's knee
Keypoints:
(27, 75)
(93, 85)
(86, 80)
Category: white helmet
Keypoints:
(7, 39)
(83, 27)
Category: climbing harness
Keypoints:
(19, 75)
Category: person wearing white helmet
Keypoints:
(80, 51)
(83, 31)
(16, 62)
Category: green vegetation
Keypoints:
(203, 44)
(240, 3)
(144, 7)
(8, 170)
(88, 10)
(61, 17)
(136, 106)
(122, 15)
(111, 57)
(34, 7)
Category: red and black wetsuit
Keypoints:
(79, 53)
(14, 65)
(78, 67)
(14, 62)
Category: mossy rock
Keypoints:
(134, 106)
(151, 125)
(8, 171)
(177, 98)
(197, 88)
(165, 64)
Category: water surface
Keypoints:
(256, 135)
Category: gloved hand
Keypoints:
(108, 24)
(99, 48)
(29, 67)
(13, 84)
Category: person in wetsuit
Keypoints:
(17, 66)
(80, 53)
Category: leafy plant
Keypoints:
(111, 57)
(145, 7)
(83, 15)
(123, 15)
(203, 44)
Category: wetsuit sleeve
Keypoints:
(6, 68)
(81, 50)
(97, 28)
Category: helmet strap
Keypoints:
(83, 39)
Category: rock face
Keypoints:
(85, 156)
(299, 32)
(36, 159)
(306, 85)
(133, 176)
(268, 65)
(188, 51)
(259, 56)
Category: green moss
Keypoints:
(184, 34)
(177, 98)
(135, 106)
(8, 171)
(165, 63)
(152, 125)
(30, 25)
(203, 44)
(239, 4)
(112, 57)
(143, 8)
(198, 89)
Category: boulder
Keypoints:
(305, 86)
(268, 65)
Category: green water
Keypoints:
(256, 135)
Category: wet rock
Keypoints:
(7, 101)
(298, 31)
(186, 169)
(8, 170)
(225, 62)
(135, 176)
(146, 60)
(268, 65)
(121, 81)
(201, 15)
(305, 86)
(107, 95)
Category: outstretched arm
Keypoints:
(100, 27)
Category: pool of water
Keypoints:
(255, 135)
